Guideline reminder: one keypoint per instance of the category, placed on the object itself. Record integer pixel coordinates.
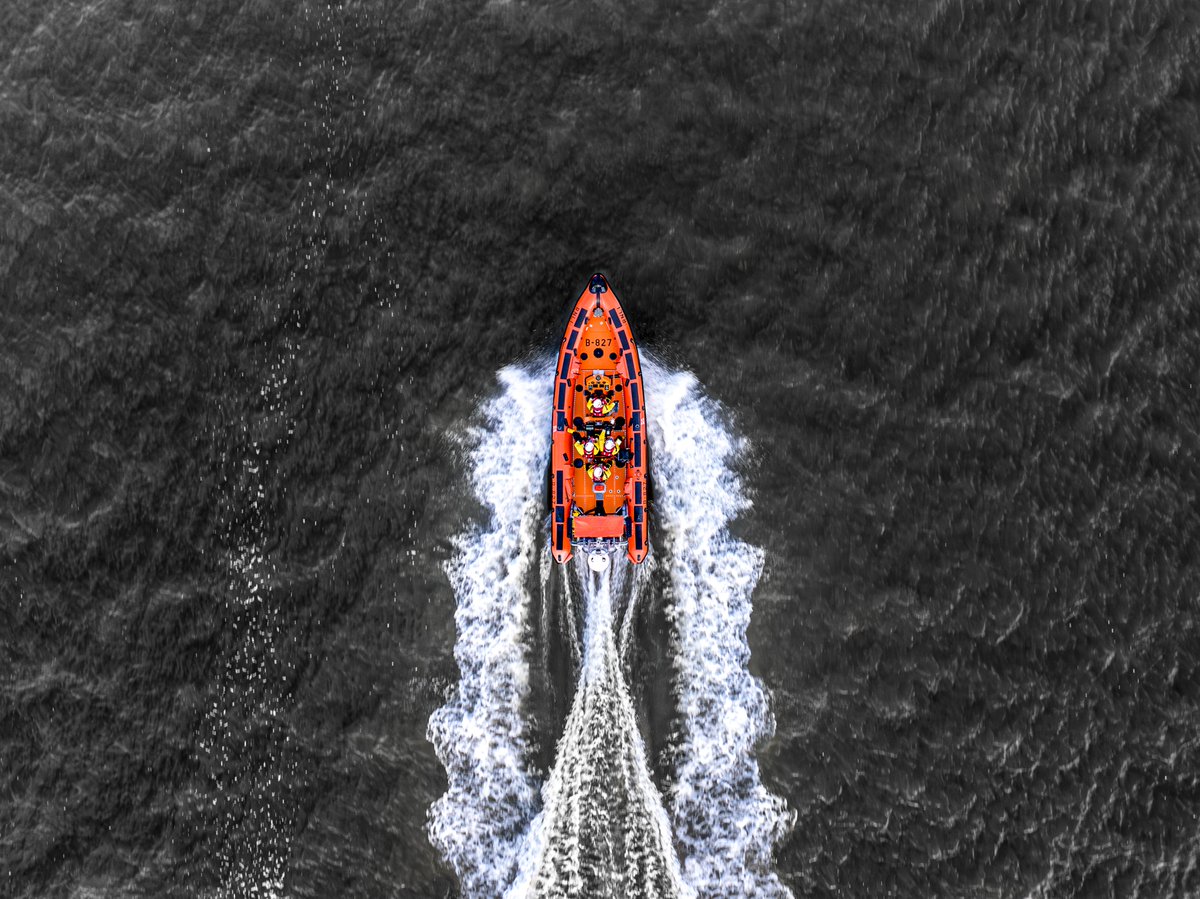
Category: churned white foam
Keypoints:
(480, 823)
(603, 831)
(599, 827)
(725, 821)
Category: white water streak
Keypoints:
(255, 849)
(479, 824)
(725, 820)
(603, 832)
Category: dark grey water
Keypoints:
(260, 262)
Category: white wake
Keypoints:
(599, 826)
(725, 821)
(603, 832)
(479, 825)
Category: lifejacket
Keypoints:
(582, 439)
(604, 474)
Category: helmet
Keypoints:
(608, 444)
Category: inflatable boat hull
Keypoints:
(598, 496)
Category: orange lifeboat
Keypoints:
(598, 462)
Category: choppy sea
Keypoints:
(919, 290)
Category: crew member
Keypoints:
(585, 444)
(600, 404)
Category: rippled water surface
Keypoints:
(920, 283)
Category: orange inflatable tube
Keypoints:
(599, 451)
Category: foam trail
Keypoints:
(480, 737)
(602, 829)
(725, 821)
(603, 832)
(256, 810)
